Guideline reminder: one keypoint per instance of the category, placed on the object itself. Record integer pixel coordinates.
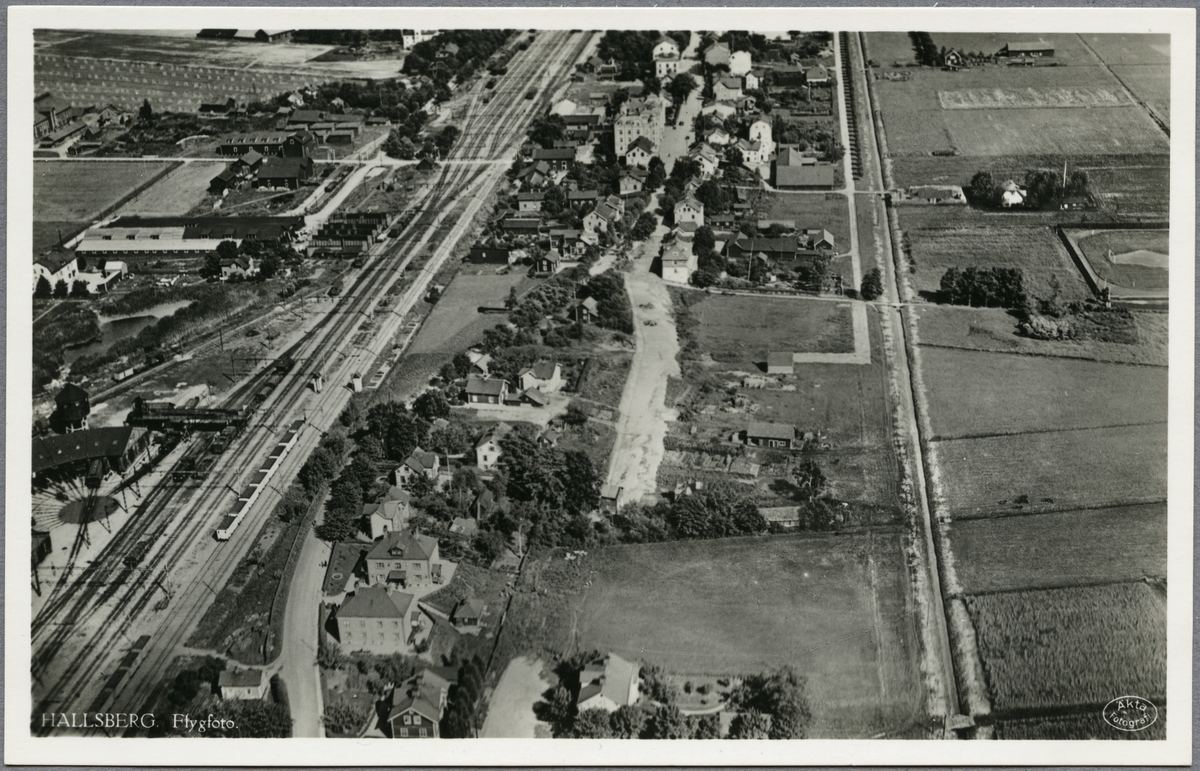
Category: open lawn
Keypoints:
(977, 393)
(1066, 131)
(889, 48)
(1075, 647)
(175, 194)
(835, 607)
(1133, 259)
(1150, 83)
(1037, 251)
(48, 233)
(739, 331)
(1118, 48)
(1064, 548)
(83, 191)
(455, 323)
(810, 210)
(1052, 471)
(994, 329)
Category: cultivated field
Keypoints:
(1053, 471)
(1132, 259)
(1117, 48)
(175, 194)
(976, 393)
(1065, 548)
(1037, 251)
(1074, 647)
(455, 322)
(48, 233)
(811, 210)
(834, 607)
(739, 331)
(1150, 83)
(1031, 98)
(1085, 725)
(81, 191)
(995, 329)
(1062, 131)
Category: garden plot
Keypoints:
(828, 211)
(1076, 647)
(1065, 548)
(1052, 471)
(979, 393)
(1037, 251)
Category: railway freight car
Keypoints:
(250, 494)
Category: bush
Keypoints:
(872, 285)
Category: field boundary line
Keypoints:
(1034, 431)
(946, 346)
(1057, 587)
(1067, 510)
(1163, 127)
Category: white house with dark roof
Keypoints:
(639, 153)
(242, 685)
(727, 89)
(54, 267)
(678, 263)
(487, 449)
(530, 201)
(419, 463)
(402, 559)
(391, 516)
(599, 219)
(377, 620)
(689, 210)
(545, 375)
(608, 683)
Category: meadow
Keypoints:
(81, 192)
(1058, 131)
(837, 608)
(1151, 83)
(1037, 251)
(890, 48)
(738, 331)
(1088, 724)
(175, 194)
(979, 393)
(1064, 548)
(1053, 649)
(1053, 471)
(455, 322)
(1119, 48)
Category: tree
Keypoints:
(809, 478)
(60, 290)
(651, 85)
(581, 486)
(43, 290)
(627, 722)
(668, 723)
(146, 113)
(269, 264)
(511, 301)
(750, 724)
(1043, 187)
(872, 285)
(713, 196)
(644, 227)
(343, 718)
(681, 86)
(704, 726)
(984, 189)
(81, 263)
(399, 431)
(704, 238)
(560, 709)
(399, 146)
(446, 139)
(733, 156)
(212, 265)
(79, 290)
(431, 405)
(592, 724)
(251, 720)
(576, 416)
(547, 130)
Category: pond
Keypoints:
(114, 328)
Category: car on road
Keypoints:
(650, 323)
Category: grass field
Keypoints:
(1053, 471)
(811, 210)
(871, 250)
(1124, 543)
(1117, 48)
(890, 48)
(1134, 254)
(994, 329)
(1063, 131)
(1150, 83)
(1032, 98)
(975, 393)
(1074, 647)
(175, 194)
(738, 331)
(455, 322)
(46, 233)
(1037, 251)
(66, 191)
(1085, 725)
(834, 607)
(606, 377)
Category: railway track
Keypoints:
(106, 609)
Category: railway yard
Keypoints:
(416, 383)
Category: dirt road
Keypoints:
(510, 712)
(642, 425)
(298, 659)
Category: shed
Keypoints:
(780, 363)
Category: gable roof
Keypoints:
(376, 602)
(422, 694)
(772, 430)
(240, 678)
(610, 677)
(496, 432)
(403, 545)
(589, 303)
(420, 460)
(690, 201)
(645, 144)
(543, 370)
(555, 154)
(485, 386)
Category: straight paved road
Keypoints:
(298, 656)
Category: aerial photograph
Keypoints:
(585, 384)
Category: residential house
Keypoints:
(817, 240)
(287, 172)
(1011, 194)
(640, 117)
(251, 161)
(479, 362)
(678, 263)
(774, 435)
(780, 363)
(486, 390)
(226, 180)
(391, 516)
(292, 144)
(740, 62)
(723, 110)
(632, 181)
(530, 202)
(816, 76)
(608, 683)
(752, 152)
(464, 526)
(727, 89)
(410, 37)
(610, 497)
(665, 47)
(707, 157)
(547, 263)
(56, 266)
(1033, 49)
(689, 210)
(377, 620)
(569, 242)
(402, 558)
(753, 80)
(469, 612)
(238, 267)
(487, 449)
(586, 311)
(601, 218)
(582, 197)
(639, 153)
(534, 175)
(717, 136)
(419, 463)
(774, 249)
(418, 704)
(953, 59)
(559, 159)
(718, 54)
(760, 131)
(787, 77)
(545, 376)
(242, 685)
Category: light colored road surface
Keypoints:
(298, 655)
(642, 426)
(510, 711)
(677, 139)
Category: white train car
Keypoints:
(230, 522)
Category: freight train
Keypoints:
(230, 522)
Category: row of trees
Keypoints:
(984, 287)
(475, 46)
(924, 49)
(78, 290)
(1043, 188)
